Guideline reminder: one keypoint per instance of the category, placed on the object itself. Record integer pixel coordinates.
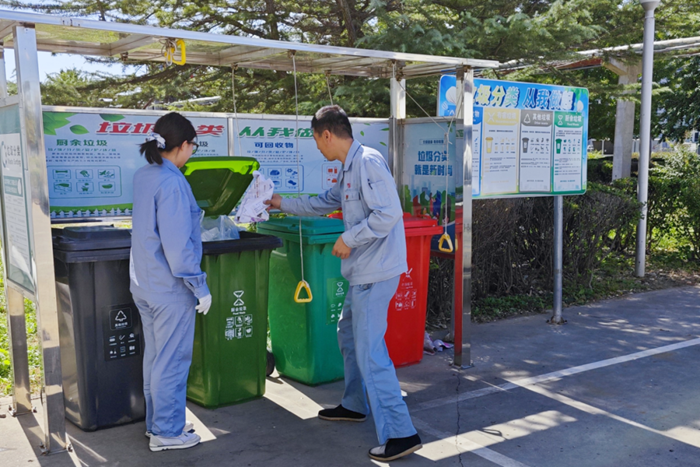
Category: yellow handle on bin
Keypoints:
(305, 286)
(449, 248)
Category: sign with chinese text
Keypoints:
(91, 158)
(16, 202)
(273, 143)
(528, 139)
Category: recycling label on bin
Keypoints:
(406, 297)
(337, 289)
(121, 339)
(240, 324)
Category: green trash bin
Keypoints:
(304, 335)
(230, 344)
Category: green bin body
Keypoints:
(304, 335)
(230, 342)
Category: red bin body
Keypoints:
(406, 320)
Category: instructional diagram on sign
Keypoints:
(84, 181)
(285, 177)
(288, 154)
(91, 158)
(499, 160)
(568, 138)
(536, 150)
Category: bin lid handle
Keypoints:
(449, 248)
(305, 286)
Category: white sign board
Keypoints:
(91, 158)
(304, 169)
(16, 201)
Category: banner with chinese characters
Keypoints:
(91, 158)
(528, 139)
(304, 169)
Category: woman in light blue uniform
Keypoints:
(166, 278)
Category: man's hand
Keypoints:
(275, 202)
(340, 249)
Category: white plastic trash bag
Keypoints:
(219, 228)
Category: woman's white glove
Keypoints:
(204, 305)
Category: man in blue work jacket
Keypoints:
(373, 250)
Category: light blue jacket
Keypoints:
(372, 214)
(166, 243)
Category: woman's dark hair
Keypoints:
(175, 130)
(333, 119)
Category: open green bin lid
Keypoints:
(218, 183)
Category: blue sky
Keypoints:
(50, 64)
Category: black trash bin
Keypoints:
(100, 328)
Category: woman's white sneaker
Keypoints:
(184, 441)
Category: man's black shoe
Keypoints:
(340, 413)
(396, 448)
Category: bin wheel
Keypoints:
(270, 363)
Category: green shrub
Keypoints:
(512, 247)
(674, 200)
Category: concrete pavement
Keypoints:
(616, 386)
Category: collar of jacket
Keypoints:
(170, 166)
(354, 148)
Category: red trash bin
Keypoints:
(406, 320)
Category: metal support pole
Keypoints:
(645, 132)
(463, 359)
(17, 335)
(3, 74)
(398, 112)
(558, 258)
(32, 136)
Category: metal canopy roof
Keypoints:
(59, 34)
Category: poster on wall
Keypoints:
(528, 139)
(430, 167)
(91, 158)
(16, 202)
(301, 170)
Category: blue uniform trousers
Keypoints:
(168, 330)
(368, 367)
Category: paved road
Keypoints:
(616, 386)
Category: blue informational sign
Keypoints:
(432, 168)
(92, 157)
(528, 139)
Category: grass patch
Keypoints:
(34, 347)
